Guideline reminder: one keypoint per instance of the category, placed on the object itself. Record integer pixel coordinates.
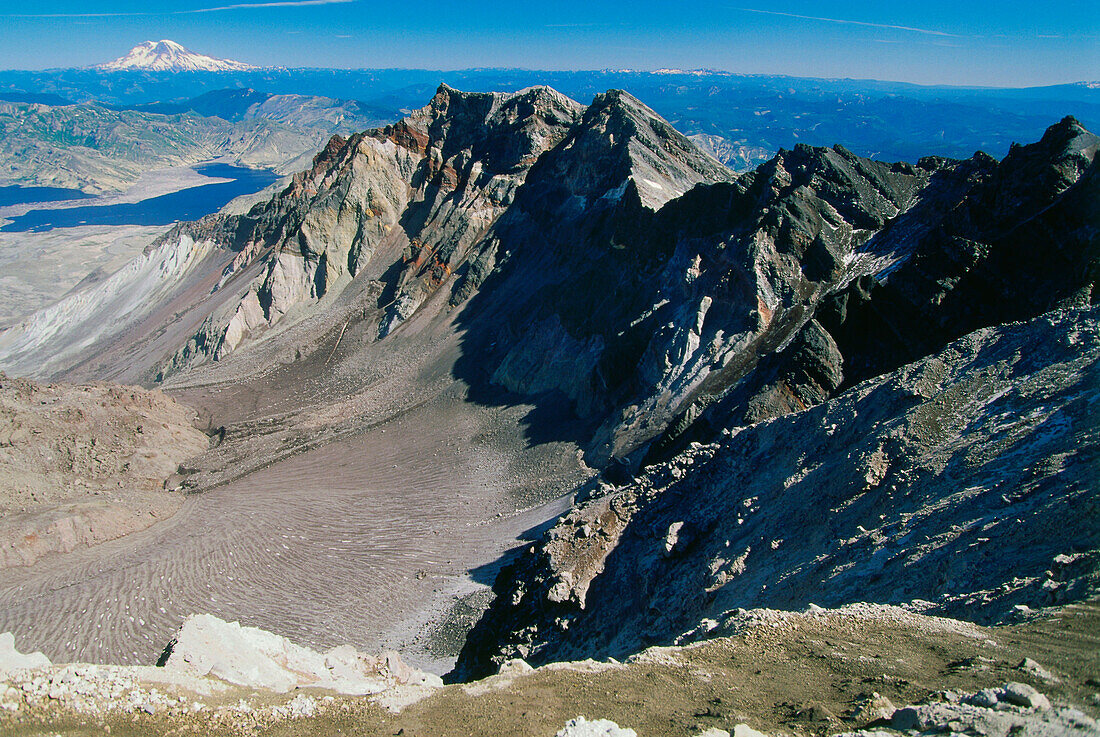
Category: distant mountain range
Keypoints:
(169, 56)
(46, 141)
(740, 119)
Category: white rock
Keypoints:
(986, 698)
(1021, 694)
(249, 656)
(581, 727)
(514, 667)
(1031, 667)
(10, 698)
(12, 660)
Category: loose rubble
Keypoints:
(1013, 709)
(791, 512)
(206, 659)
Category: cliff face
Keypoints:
(964, 482)
(985, 243)
(816, 272)
(632, 313)
(957, 481)
(401, 205)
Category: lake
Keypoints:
(186, 204)
(16, 195)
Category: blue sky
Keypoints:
(1005, 43)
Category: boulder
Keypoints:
(12, 660)
(249, 656)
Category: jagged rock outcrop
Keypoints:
(1022, 241)
(402, 205)
(600, 258)
(964, 482)
(985, 243)
(1012, 709)
(646, 310)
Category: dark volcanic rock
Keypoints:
(964, 482)
(986, 243)
(1021, 241)
(633, 314)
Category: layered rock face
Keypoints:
(985, 243)
(649, 308)
(402, 206)
(964, 482)
(432, 201)
(746, 296)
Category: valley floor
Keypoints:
(37, 268)
(359, 541)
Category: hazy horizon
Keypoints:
(579, 70)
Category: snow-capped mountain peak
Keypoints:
(169, 56)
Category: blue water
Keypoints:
(187, 204)
(29, 195)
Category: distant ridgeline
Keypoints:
(742, 120)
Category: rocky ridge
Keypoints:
(846, 501)
(965, 257)
(646, 307)
(596, 256)
(402, 206)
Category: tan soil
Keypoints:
(80, 465)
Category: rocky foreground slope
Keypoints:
(881, 670)
(963, 484)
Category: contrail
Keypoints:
(926, 31)
(220, 8)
